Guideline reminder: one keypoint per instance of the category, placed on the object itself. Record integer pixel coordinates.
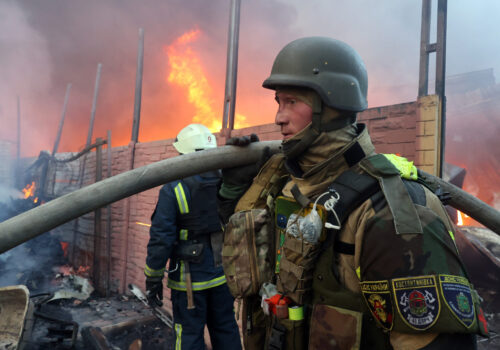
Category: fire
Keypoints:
(143, 224)
(64, 247)
(29, 191)
(187, 71)
(66, 270)
(461, 218)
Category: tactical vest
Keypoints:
(202, 217)
(446, 302)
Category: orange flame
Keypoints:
(67, 270)
(64, 247)
(29, 190)
(461, 218)
(187, 71)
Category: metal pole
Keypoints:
(94, 104)
(18, 180)
(97, 221)
(61, 122)
(441, 74)
(138, 87)
(108, 221)
(424, 43)
(18, 150)
(231, 68)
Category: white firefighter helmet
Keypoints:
(194, 137)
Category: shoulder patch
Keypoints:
(417, 301)
(457, 296)
(378, 299)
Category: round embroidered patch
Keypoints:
(417, 301)
(281, 221)
(379, 301)
(458, 297)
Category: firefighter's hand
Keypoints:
(154, 291)
(235, 181)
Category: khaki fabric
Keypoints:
(401, 341)
(319, 172)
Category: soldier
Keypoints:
(362, 252)
(185, 229)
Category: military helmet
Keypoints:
(194, 137)
(330, 67)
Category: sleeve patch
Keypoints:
(417, 301)
(378, 299)
(458, 297)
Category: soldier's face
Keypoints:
(293, 115)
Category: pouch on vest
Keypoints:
(296, 256)
(247, 253)
(189, 251)
(334, 328)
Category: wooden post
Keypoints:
(61, 122)
(108, 221)
(134, 140)
(94, 104)
(97, 223)
(87, 143)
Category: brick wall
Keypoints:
(394, 129)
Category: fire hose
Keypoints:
(34, 222)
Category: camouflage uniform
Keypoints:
(391, 276)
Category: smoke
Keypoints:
(48, 44)
(7, 193)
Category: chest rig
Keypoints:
(307, 272)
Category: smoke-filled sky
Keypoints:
(44, 45)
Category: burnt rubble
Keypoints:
(96, 323)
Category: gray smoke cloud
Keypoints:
(47, 44)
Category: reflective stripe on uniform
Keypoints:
(183, 234)
(181, 199)
(181, 286)
(153, 273)
(182, 273)
(178, 335)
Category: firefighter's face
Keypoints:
(293, 115)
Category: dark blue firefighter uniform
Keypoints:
(186, 211)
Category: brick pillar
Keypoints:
(428, 134)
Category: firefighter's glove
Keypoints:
(235, 181)
(154, 291)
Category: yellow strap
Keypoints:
(406, 168)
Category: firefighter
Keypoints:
(364, 253)
(186, 230)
